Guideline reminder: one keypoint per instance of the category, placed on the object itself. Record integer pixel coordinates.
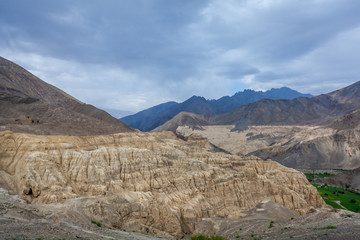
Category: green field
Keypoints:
(349, 199)
(334, 196)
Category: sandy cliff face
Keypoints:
(148, 182)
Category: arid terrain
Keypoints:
(292, 146)
(21, 220)
(71, 171)
(150, 183)
(317, 132)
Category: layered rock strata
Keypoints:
(148, 182)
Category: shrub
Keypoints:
(199, 237)
(203, 237)
(217, 238)
(327, 227)
(96, 223)
(271, 224)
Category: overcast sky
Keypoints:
(130, 55)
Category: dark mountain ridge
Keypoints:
(28, 104)
(151, 118)
(319, 110)
(325, 109)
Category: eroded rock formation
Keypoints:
(148, 182)
(292, 146)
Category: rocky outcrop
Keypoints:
(292, 146)
(148, 182)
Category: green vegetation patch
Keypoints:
(203, 237)
(327, 227)
(271, 224)
(96, 223)
(349, 199)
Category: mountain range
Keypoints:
(319, 110)
(153, 117)
(317, 132)
(28, 104)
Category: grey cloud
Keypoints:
(281, 31)
(140, 53)
(236, 71)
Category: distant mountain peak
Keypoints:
(153, 117)
(194, 97)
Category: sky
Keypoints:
(128, 55)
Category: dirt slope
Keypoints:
(28, 104)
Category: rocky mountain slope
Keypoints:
(194, 121)
(346, 179)
(317, 110)
(28, 104)
(292, 146)
(151, 118)
(320, 110)
(318, 132)
(152, 183)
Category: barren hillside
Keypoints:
(149, 183)
(28, 104)
(292, 146)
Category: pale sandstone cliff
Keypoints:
(148, 182)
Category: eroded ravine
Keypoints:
(147, 182)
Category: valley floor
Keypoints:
(19, 220)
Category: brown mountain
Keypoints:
(151, 118)
(183, 119)
(319, 110)
(323, 131)
(28, 104)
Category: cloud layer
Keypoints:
(130, 55)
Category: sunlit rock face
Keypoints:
(147, 182)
